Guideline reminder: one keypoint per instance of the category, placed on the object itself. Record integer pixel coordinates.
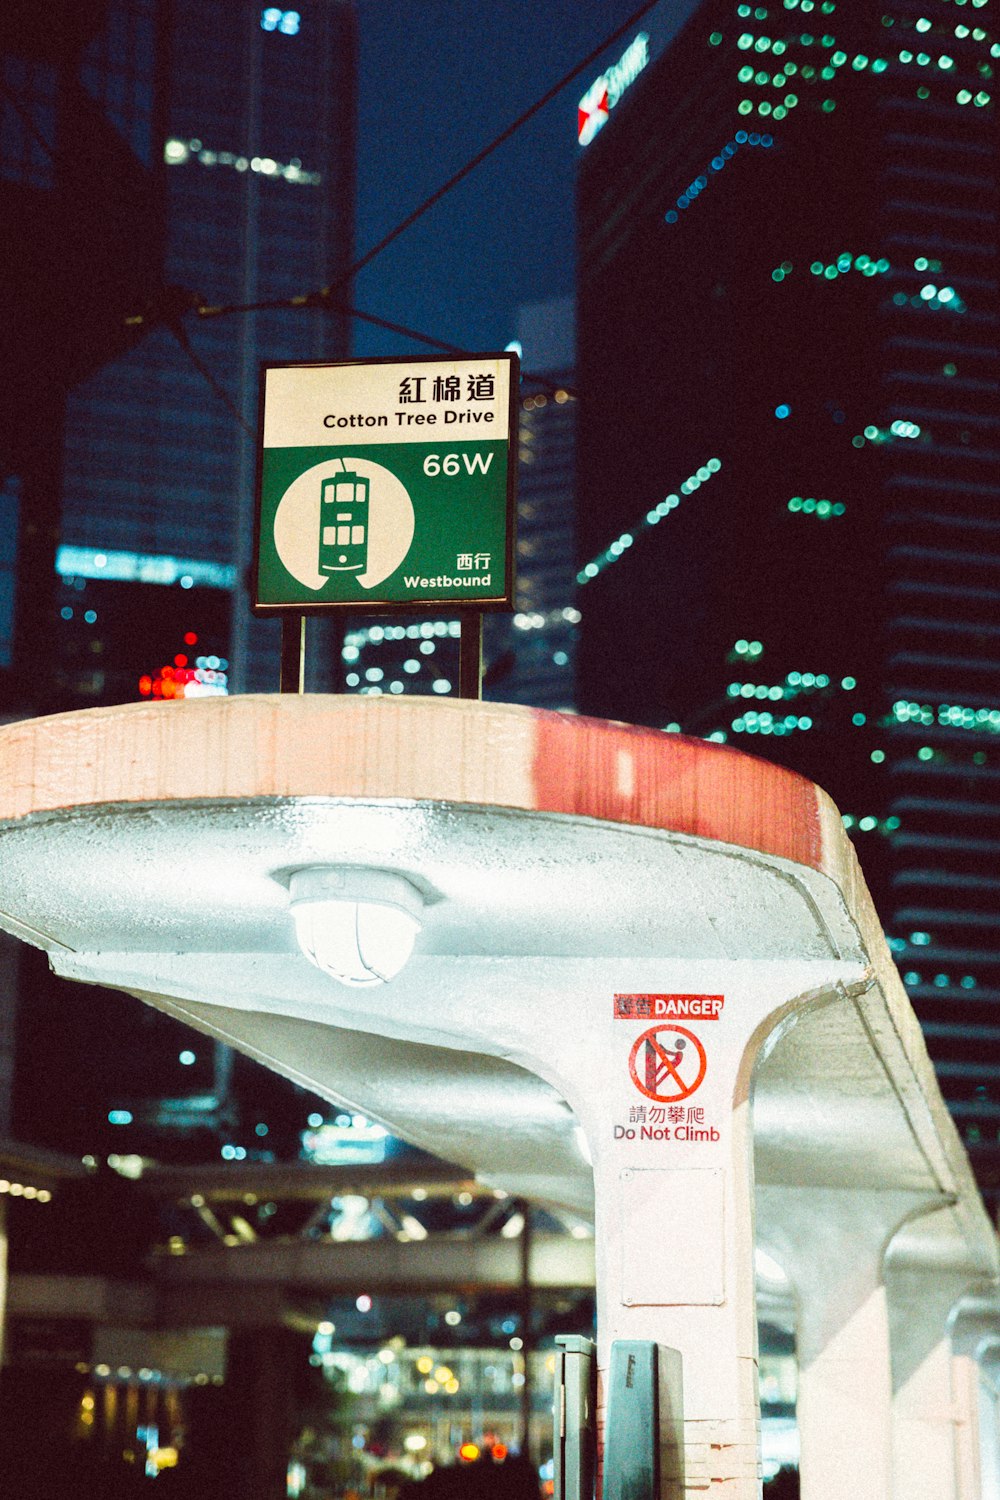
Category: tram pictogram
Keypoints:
(343, 538)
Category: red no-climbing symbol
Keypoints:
(664, 1066)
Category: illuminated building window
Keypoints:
(809, 506)
(794, 684)
(286, 22)
(721, 157)
(752, 722)
(845, 262)
(137, 567)
(177, 152)
(652, 518)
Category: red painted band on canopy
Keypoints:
(629, 774)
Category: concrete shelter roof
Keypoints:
(148, 848)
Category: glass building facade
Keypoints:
(258, 158)
(220, 139)
(81, 240)
(528, 656)
(789, 528)
(532, 654)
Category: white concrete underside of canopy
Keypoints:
(185, 904)
(182, 899)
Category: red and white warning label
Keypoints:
(668, 1007)
(667, 1063)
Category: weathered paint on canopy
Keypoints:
(561, 860)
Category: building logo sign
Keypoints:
(605, 92)
(386, 483)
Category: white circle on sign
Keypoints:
(297, 522)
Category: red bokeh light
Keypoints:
(178, 678)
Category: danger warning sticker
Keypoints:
(667, 1063)
(668, 1007)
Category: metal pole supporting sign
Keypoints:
(293, 654)
(470, 654)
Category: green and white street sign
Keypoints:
(387, 484)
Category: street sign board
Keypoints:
(386, 484)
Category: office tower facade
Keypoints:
(789, 506)
(81, 237)
(528, 655)
(531, 654)
(242, 117)
(158, 492)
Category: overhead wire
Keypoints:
(470, 166)
(545, 381)
(172, 304)
(324, 297)
(180, 334)
(175, 303)
(25, 117)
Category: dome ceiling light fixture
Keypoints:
(356, 924)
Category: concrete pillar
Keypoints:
(844, 1400)
(925, 1417)
(831, 1244)
(258, 1414)
(975, 1335)
(658, 1068)
(933, 1405)
(968, 1455)
(10, 959)
(10, 956)
(989, 1421)
(674, 1234)
(665, 1106)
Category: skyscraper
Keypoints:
(244, 173)
(531, 654)
(82, 215)
(790, 512)
(528, 655)
(160, 446)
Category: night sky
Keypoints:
(438, 80)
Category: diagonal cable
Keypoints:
(210, 379)
(425, 338)
(488, 150)
(470, 166)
